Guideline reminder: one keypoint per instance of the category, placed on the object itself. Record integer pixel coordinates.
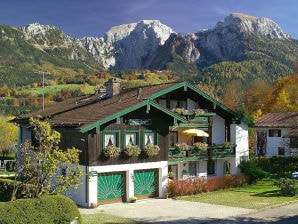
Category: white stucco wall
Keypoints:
(239, 136)
(274, 142)
(79, 195)
(218, 130)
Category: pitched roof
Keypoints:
(279, 120)
(90, 111)
(84, 110)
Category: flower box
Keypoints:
(151, 150)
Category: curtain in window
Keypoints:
(149, 138)
(110, 139)
(130, 139)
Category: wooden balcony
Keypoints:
(212, 152)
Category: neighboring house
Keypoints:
(140, 116)
(277, 134)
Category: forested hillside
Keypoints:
(237, 62)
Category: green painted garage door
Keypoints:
(111, 187)
(146, 183)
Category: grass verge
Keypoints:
(260, 195)
(105, 219)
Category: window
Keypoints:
(177, 104)
(173, 138)
(274, 133)
(227, 167)
(210, 167)
(149, 138)
(173, 172)
(131, 138)
(192, 169)
(281, 151)
(110, 138)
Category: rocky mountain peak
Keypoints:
(37, 29)
(160, 30)
(250, 24)
(130, 45)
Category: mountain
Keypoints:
(129, 46)
(240, 47)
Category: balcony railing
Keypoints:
(212, 152)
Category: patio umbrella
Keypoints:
(195, 132)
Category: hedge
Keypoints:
(195, 186)
(283, 166)
(56, 209)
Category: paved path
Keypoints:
(169, 211)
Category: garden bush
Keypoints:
(251, 169)
(6, 189)
(283, 166)
(198, 185)
(287, 186)
(55, 209)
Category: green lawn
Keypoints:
(56, 88)
(105, 219)
(258, 196)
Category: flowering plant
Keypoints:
(200, 145)
(132, 150)
(133, 198)
(227, 145)
(181, 146)
(111, 151)
(181, 111)
(198, 112)
(151, 149)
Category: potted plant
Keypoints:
(227, 145)
(181, 146)
(171, 175)
(132, 150)
(198, 112)
(111, 151)
(133, 199)
(200, 146)
(151, 150)
(181, 111)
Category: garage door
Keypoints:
(145, 183)
(111, 187)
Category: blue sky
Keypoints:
(79, 18)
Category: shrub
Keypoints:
(287, 186)
(196, 186)
(251, 169)
(282, 166)
(57, 209)
(7, 187)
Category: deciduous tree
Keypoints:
(8, 135)
(43, 166)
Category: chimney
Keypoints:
(140, 91)
(113, 87)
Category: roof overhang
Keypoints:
(146, 103)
